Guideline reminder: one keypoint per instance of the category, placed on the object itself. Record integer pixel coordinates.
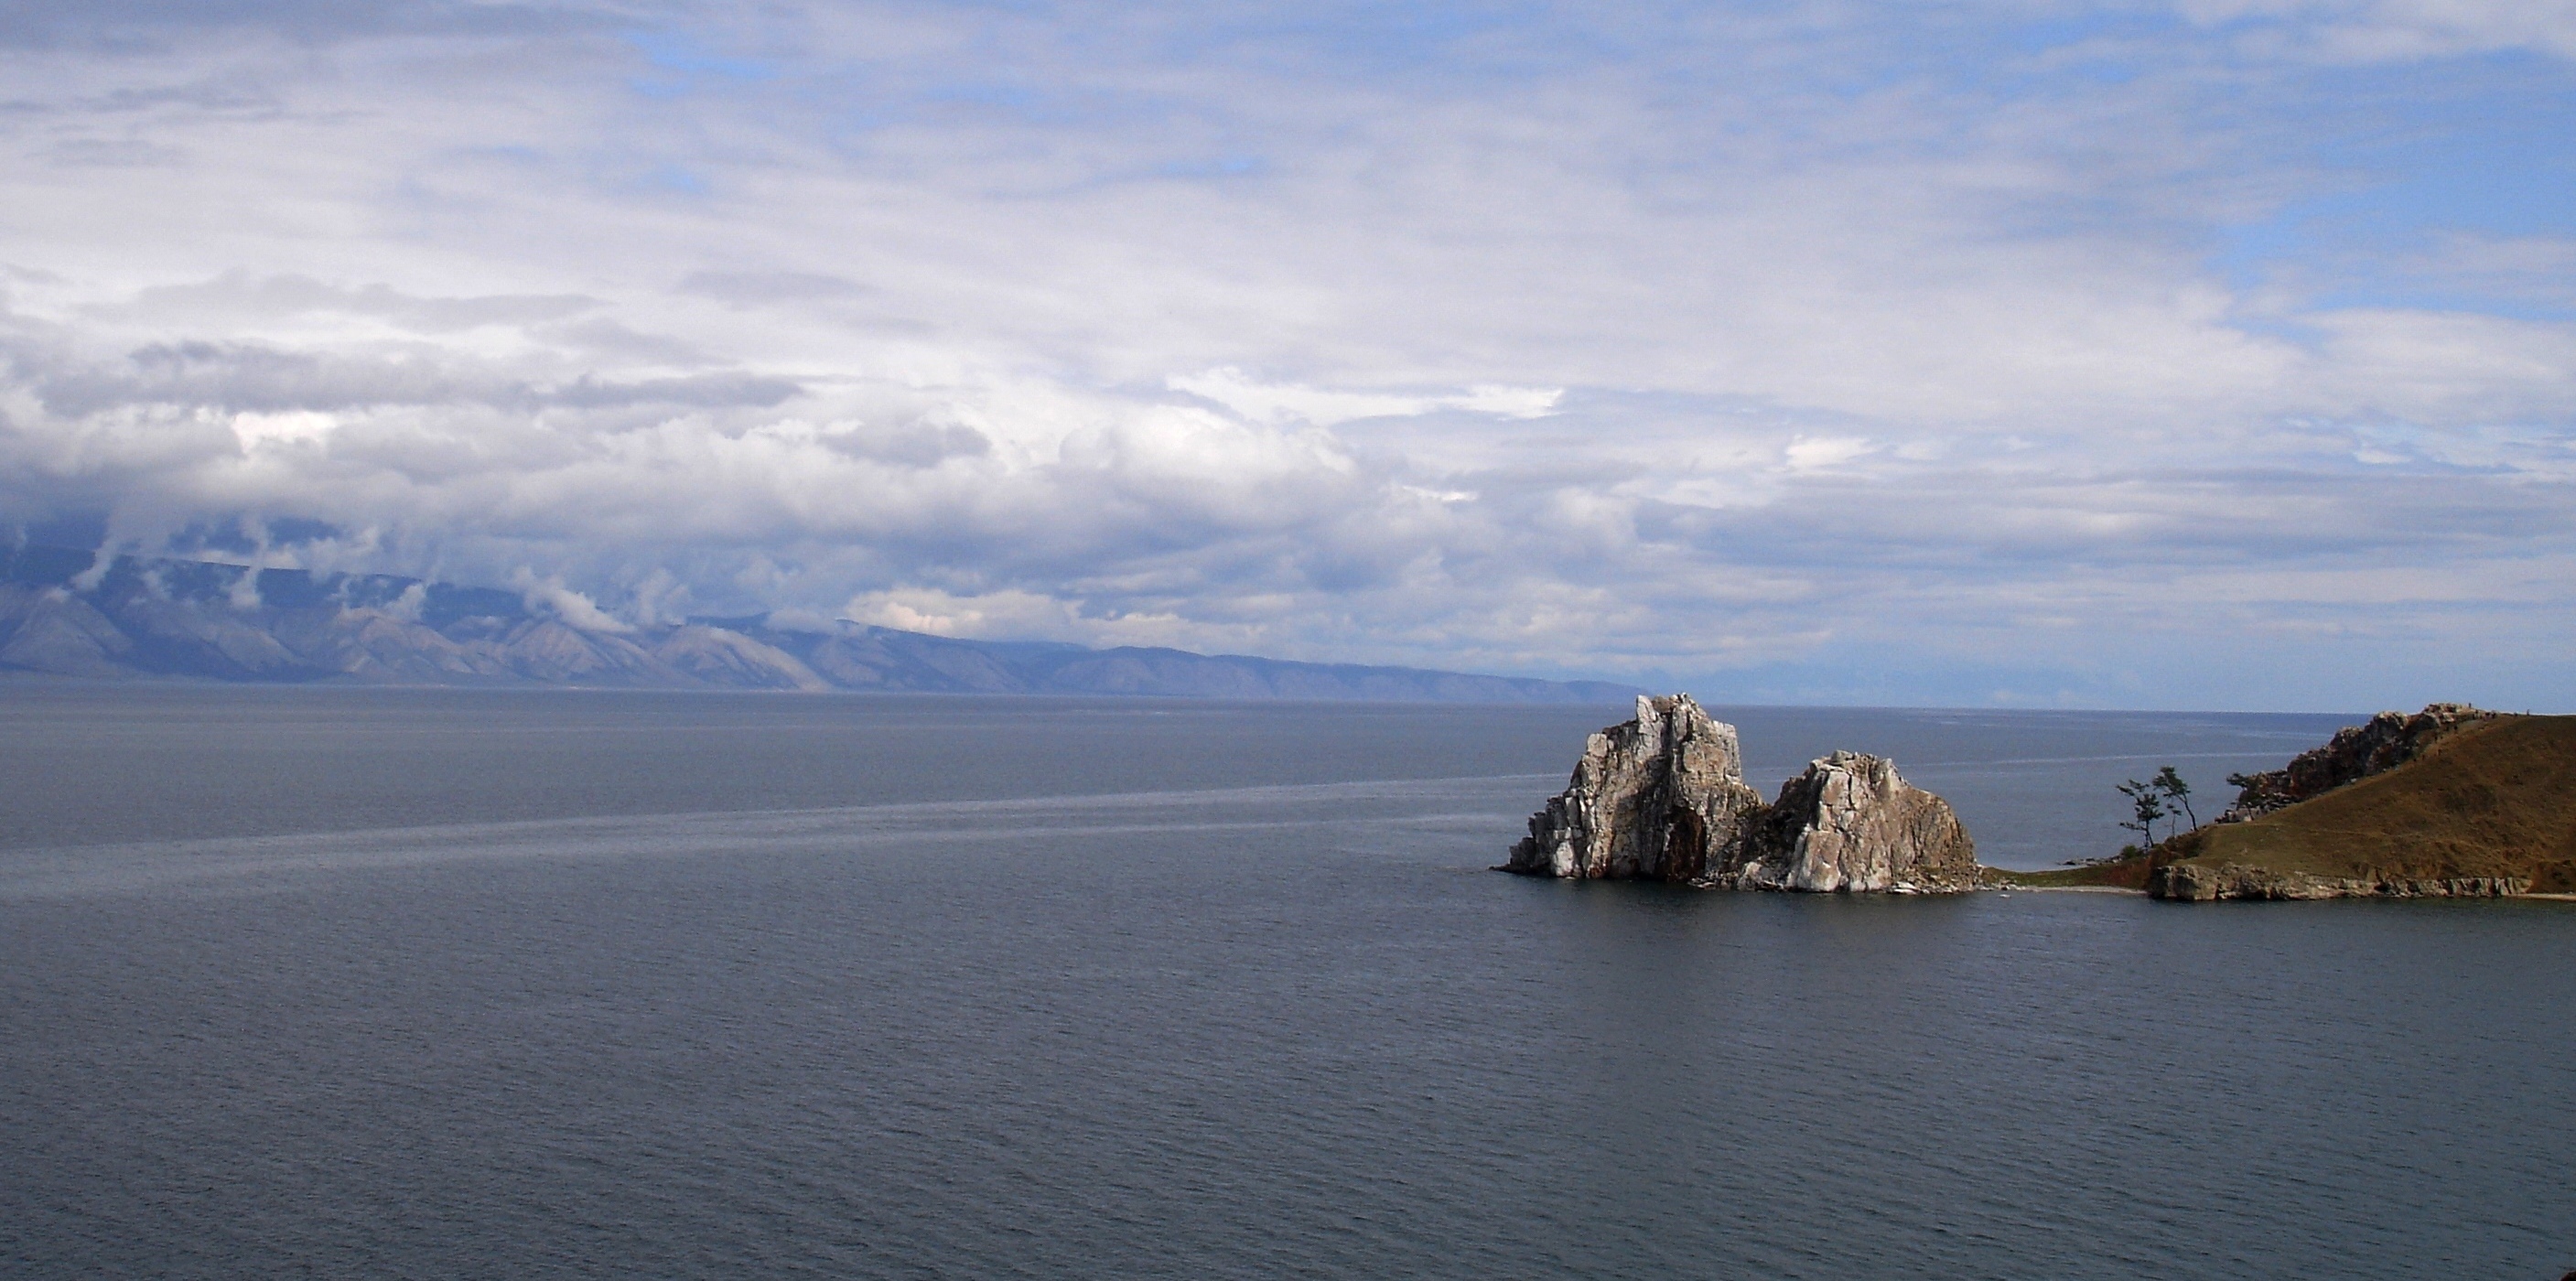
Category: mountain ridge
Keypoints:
(62, 614)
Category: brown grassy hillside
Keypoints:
(2498, 800)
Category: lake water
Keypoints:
(418, 983)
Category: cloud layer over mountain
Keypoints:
(2208, 353)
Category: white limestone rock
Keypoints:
(1663, 798)
(1852, 823)
(1660, 798)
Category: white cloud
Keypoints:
(256, 430)
(549, 595)
(1023, 615)
(1285, 402)
(1818, 453)
(1761, 343)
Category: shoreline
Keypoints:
(2118, 889)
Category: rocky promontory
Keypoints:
(2448, 802)
(2356, 752)
(1662, 797)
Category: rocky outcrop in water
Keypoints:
(2200, 883)
(1851, 822)
(1660, 798)
(1663, 798)
(2356, 752)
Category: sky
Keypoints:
(2199, 354)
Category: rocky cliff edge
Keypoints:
(2356, 752)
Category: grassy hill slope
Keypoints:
(2496, 800)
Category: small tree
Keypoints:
(2147, 803)
(2177, 791)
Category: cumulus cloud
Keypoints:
(1280, 402)
(254, 430)
(1741, 345)
(550, 596)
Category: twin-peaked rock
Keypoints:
(1663, 798)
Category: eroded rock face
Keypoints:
(1659, 798)
(2356, 752)
(1663, 798)
(1851, 822)
(57, 632)
(2199, 883)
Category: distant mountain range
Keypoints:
(210, 621)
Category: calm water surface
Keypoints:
(442, 984)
